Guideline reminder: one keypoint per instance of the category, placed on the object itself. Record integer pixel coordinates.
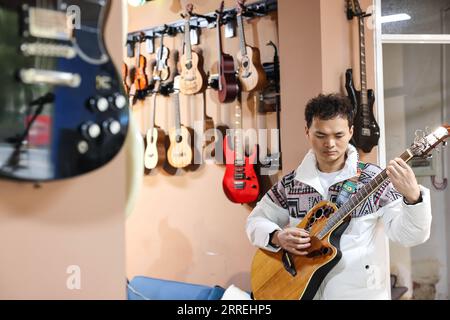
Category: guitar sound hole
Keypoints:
(318, 213)
(189, 65)
(245, 64)
(178, 139)
(327, 212)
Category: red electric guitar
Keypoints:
(240, 182)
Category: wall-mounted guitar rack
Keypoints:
(197, 22)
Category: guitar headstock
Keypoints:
(356, 7)
(220, 11)
(189, 11)
(240, 7)
(423, 145)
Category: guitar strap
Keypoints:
(349, 187)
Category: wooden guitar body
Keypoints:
(180, 152)
(229, 86)
(155, 151)
(250, 71)
(192, 80)
(293, 277)
(240, 183)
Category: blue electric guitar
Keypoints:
(63, 110)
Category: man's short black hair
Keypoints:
(329, 106)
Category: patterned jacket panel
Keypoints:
(298, 198)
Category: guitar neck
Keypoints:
(219, 61)
(242, 42)
(152, 125)
(159, 58)
(138, 56)
(355, 201)
(176, 96)
(187, 39)
(362, 61)
(238, 143)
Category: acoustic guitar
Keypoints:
(63, 110)
(281, 275)
(250, 70)
(180, 152)
(240, 182)
(155, 150)
(228, 83)
(192, 77)
(366, 131)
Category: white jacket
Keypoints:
(361, 272)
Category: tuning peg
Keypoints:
(419, 135)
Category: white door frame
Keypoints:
(379, 40)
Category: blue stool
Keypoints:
(144, 288)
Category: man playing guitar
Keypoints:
(401, 205)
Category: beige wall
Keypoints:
(75, 222)
(183, 227)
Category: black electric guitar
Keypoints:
(366, 130)
(63, 107)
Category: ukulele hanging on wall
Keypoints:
(192, 78)
(180, 154)
(366, 130)
(250, 70)
(228, 85)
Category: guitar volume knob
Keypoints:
(112, 126)
(91, 130)
(119, 101)
(100, 104)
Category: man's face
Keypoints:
(329, 139)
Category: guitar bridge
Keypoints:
(365, 132)
(288, 264)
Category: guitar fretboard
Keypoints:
(176, 97)
(358, 198)
(238, 136)
(363, 70)
(219, 41)
(187, 39)
(242, 35)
